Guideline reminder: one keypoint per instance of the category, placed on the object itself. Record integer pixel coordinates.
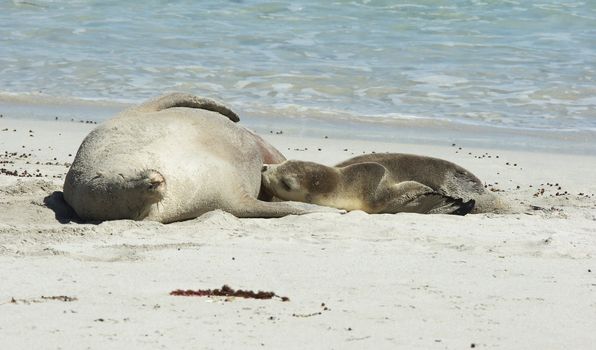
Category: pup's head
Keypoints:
(295, 180)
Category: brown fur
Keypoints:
(426, 170)
(379, 183)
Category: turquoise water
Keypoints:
(521, 65)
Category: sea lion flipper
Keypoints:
(436, 203)
(464, 207)
(250, 207)
(178, 99)
(374, 171)
(414, 197)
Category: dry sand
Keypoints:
(523, 280)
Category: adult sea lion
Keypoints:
(381, 183)
(172, 158)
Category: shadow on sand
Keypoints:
(64, 213)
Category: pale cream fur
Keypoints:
(207, 162)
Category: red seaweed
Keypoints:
(226, 291)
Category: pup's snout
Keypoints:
(264, 168)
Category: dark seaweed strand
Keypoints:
(226, 291)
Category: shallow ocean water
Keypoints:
(518, 65)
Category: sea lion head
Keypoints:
(295, 180)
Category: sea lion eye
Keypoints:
(286, 184)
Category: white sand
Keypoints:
(525, 280)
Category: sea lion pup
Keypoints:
(170, 159)
(381, 183)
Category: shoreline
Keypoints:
(339, 125)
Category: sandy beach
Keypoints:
(520, 280)
(504, 89)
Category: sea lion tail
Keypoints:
(178, 99)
